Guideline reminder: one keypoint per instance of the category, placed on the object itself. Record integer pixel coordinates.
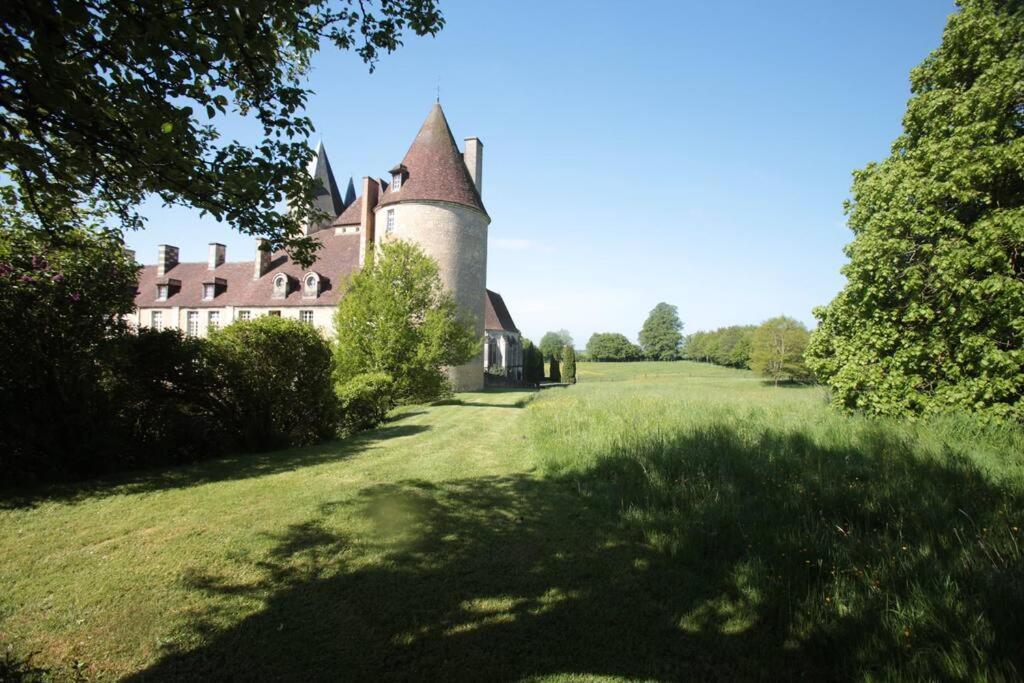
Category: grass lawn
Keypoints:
(654, 522)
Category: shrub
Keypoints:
(569, 365)
(555, 373)
(277, 382)
(163, 391)
(365, 400)
(533, 372)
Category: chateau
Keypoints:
(432, 198)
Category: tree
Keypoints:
(777, 349)
(555, 373)
(533, 364)
(569, 365)
(395, 318)
(133, 89)
(551, 344)
(612, 346)
(932, 315)
(62, 299)
(662, 335)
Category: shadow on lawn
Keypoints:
(207, 471)
(703, 556)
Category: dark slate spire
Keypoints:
(350, 195)
(435, 169)
(328, 199)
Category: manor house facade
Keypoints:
(432, 198)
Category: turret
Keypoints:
(433, 200)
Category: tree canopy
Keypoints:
(662, 333)
(612, 346)
(551, 343)
(105, 103)
(728, 346)
(777, 349)
(396, 318)
(932, 315)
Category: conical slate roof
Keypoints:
(435, 168)
(350, 194)
(328, 198)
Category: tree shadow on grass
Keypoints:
(207, 471)
(704, 555)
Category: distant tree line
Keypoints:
(775, 348)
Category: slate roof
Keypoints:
(352, 215)
(338, 257)
(435, 168)
(496, 315)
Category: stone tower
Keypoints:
(433, 200)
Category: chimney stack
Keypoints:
(474, 158)
(166, 258)
(262, 259)
(216, 257)
(367, 220)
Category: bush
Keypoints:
(555, 373)
(569, 365)
(277, 382)
(163, 392)
(365, 400)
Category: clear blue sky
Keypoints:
(695, 153)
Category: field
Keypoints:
(655, 522)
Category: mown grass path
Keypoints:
(656, 521)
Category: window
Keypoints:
(396, 182)
(311, 286)
(280, 286)
(161, 292)
(274, 314)
(192, 326)
(243, 315)
(306, 316)
(209, 291)
(213, 320)
(156, 320)
(391, 222)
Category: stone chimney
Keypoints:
(262, 259)
(367, 219)
(166, 258)
(216, 257)
(474, 158)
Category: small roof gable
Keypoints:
(496, 315)
(435, 168)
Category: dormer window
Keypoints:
(213, 287)
(398, 174)
(311, 286)
(281, 286)
(166, 288)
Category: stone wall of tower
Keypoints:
(456, 237)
